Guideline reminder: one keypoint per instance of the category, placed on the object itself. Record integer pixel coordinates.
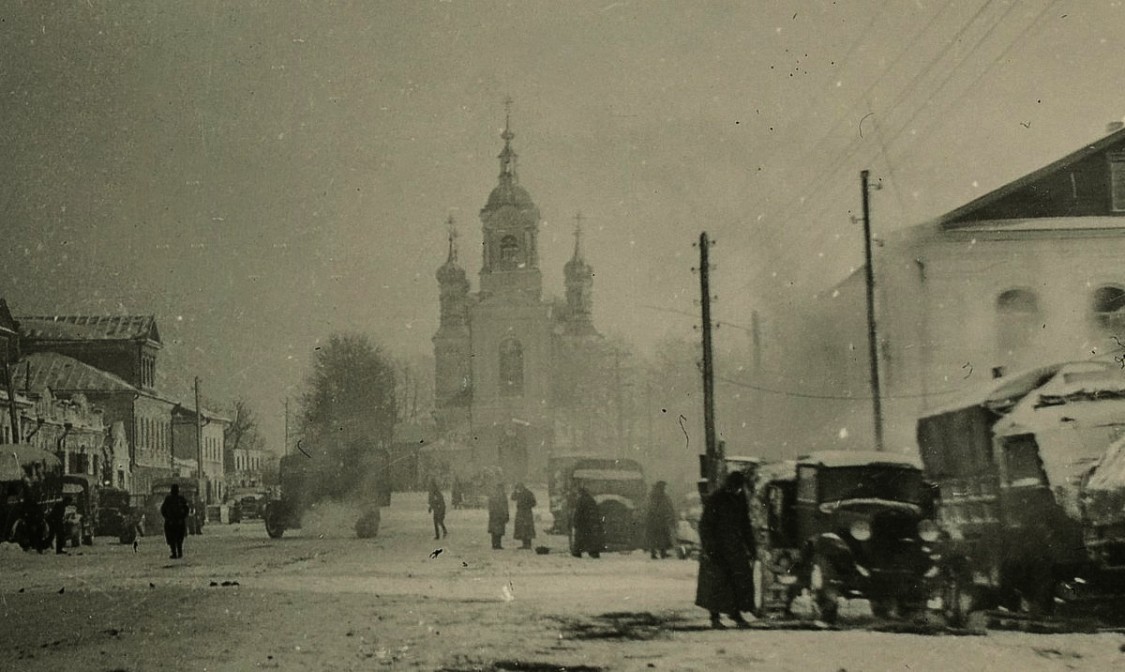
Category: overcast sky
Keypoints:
(259, 175)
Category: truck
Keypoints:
(30, 484)
(1031, 478)
(616, 484)
(838, 525)
(301, 474)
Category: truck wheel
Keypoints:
(273, 528)
(824, 593)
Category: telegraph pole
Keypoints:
(872, 336)
(285, 449)
(199, 442)
(712, 450)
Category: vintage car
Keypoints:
(842, 525)
(113, 512)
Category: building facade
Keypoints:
(211, 451)
(507, 360)
(1026, 275)
(111, 360)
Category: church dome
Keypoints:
(577, 268)
(509, 193)
(451, 272)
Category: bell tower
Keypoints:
(453, 341)
(510, 222)
(579, 277)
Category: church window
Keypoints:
(511, 368)
(1109, 310)
(1017, 312)
(509, 250)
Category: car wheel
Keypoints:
(273, 528)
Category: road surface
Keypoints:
(321, 599)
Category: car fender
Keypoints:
(832, 547)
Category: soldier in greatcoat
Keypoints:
(525, 520)
(726, 582)
(497, 515)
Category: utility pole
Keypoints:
(620, 424)
(13, 414)
(285, 449)
(712, 456)
(199, 442)
(872, 337)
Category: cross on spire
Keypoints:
(508, 155)
(578, 234)
(452, 237)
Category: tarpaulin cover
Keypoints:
(14, 457)
(1105, 489)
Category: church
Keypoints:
(518, 376)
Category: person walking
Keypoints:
(525, 521)
(726, 584)
(56, 520)
(437, 507)
(175, 511)
(660, 520)
(587, 528)
(497, 515)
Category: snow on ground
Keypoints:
(320, 599)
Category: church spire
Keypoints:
(578, 236)
(508, 155)
(452, 258)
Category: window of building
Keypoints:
(511, 368)
(1117, 181)
(509, 249)
(1109, 310)
(1017, 312)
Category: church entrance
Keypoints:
(513, 454)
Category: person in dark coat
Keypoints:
(587, 527)
(497, 515)
(175, 510)
(726, 582)
(56, 519)
(660, 520)
(437, 507)
(525, 521)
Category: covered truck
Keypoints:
(1031, 488)
(616, 484)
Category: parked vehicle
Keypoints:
(82, 513)
(251, 506)
(617, 485)
(1032, 490)
(30, 483)
(113, 511)
(845, 524)
(687, 527)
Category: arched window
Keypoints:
(1017, 312)
(1109, 310)
(511, 368)
(509, 250)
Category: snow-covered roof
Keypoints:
(858, 458)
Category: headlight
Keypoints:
(928, 531)
(860, 530)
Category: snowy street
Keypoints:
(320, 599)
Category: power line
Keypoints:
(835, 397)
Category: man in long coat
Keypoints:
(587, 526)
(726, 581)
(660, 520)
(497, 515)
(175, 510)
(525, 521)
